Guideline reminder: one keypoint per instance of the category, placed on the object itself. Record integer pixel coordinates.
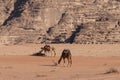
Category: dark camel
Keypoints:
(48, 49)
(66, 54)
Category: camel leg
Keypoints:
(69, 61)
(54, 53)
(41, 51)
(59, 60)
(64, 62)
(45, 52)
(51, 52)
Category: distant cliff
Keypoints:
(60, 21)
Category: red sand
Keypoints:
(88, 66)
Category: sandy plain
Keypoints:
(90, 62)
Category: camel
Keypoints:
(66, 54)
(48, 49)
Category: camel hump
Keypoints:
(46, 46)
(66, 51)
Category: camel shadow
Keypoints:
(38, 54)
(52, 65)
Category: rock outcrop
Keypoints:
(60, 21)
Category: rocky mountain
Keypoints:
(60, 21)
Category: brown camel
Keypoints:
(48, 49)
(66, 54)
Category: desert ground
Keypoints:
(90, 62)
